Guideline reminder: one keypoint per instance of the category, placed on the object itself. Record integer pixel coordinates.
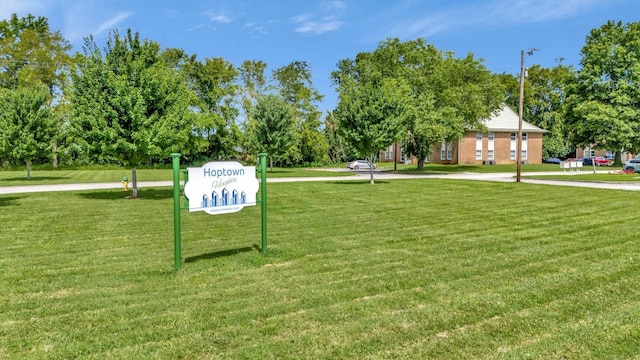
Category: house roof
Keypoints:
(507, 121)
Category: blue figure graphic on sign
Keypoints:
(205, 200)
(214, 198)
(225, 197)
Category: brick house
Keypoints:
(609, 154)
(496, 144)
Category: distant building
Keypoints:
(497, 144)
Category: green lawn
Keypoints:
(404, 269)
(41, 177)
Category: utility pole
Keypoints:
(520, 111)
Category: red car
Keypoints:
(600, 161)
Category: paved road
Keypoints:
(361, 175)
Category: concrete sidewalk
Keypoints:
(360, 175)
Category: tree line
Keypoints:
(132, 102)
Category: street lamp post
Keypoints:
(520, 110)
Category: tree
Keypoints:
(545, 93)
(214, 83)
(603, 105)
(545, 106)
(253, 85)
(30, 55)
(370, 114)
(130, 106)
(295, 87)
(26, 126)
(271, 128)
(447, 96)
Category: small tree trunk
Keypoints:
(134, 182)
(618, 158)
(421, 163)
(28, 162)
(370, 160)
(54, 158)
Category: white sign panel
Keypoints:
(221, 187)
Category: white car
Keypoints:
(632, 164)
(359, 164)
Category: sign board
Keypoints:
(221, 187)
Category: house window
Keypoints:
(514, 136)
(490, 146)
(524, 137)
(446, 151)
(524, 154)
(512, 154)
(478, 145)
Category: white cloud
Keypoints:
(111, 23)
(328, 19)
(318, 27)
(218, 16)
(301, 18)
(492, 13)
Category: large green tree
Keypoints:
(32, 54)
(253, 85)
(545, 94)
(447, 96)
(26, 125)
(370, 112)
(271, 128)
(129, 105)
(295, 86)
(604, 102)
(214, 82)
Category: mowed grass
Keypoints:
(404, 269)
(78, 176)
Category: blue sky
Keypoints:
(321, 32)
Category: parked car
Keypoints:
(551, 160)
(586, 161)
(602, 161)
(633, 164)
(598, 160)
(359, 164)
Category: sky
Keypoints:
(322, 32)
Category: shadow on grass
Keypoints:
(33, 178)
(145, 194)
(359, 182)
(8, 201)
(223, 253)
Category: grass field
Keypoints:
(79, 176)
(405, 269)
